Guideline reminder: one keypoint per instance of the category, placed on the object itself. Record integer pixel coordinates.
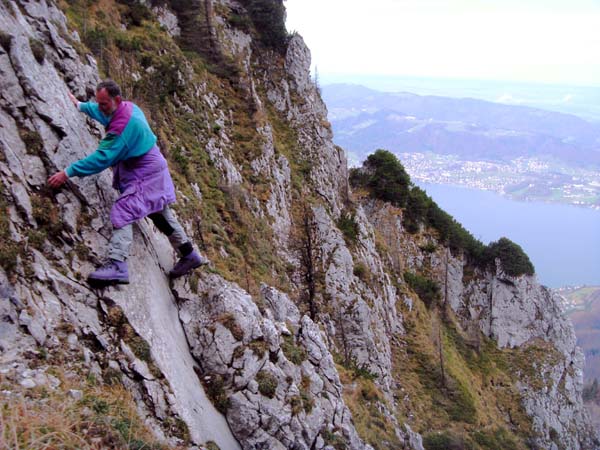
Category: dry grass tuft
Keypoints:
(77, 415)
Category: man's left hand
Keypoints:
(58, 179)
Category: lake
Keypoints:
(562, 241)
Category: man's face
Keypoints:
(106, 103)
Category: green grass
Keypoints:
(267, 383)
(292, 351)
(363, 397)
(349, 227)
(427, 289)
(216, 390)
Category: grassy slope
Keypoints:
(79, 414)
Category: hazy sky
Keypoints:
(551, 41)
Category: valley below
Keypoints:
(582, 304)
(522, 179)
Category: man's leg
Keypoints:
(168, 225)
(115, 270)
(120, 242)
(166, 222)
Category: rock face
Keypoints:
(516, 312)
(287, 391)
(271, 367)
(497, 304)
(364, 313)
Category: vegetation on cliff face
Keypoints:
(384, 177)
(457, 386)
(514, 260)
(9, 250)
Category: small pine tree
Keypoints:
(384, 176)
(513, 259)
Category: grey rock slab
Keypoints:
(21, 197)
(244, 417)
(27, 383)
(75, 394)
(151, 310)
(297, 63)
(34, 325)
(168, 20)
(156, 392)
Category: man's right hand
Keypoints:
(58, 179)
(74, 100)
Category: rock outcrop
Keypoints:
(287, 389)
(42, 133)
(497, 304)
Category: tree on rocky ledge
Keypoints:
(514, 260)
(306, 246)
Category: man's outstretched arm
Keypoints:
(109, 152)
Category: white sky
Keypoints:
(550, 41)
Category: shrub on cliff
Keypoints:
(514, 260)
(349, 227)
(135, 13)
(385, 178)
(416, 209)
(427, 290)
(445, 440)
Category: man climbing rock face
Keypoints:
(140, 174)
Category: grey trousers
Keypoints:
(165, 221)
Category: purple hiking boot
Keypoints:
(113, 272)
(186, 264)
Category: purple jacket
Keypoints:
(140, 171)
(145, 185)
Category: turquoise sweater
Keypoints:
(128, 135)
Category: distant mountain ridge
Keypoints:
(582, 101)
(365, 119)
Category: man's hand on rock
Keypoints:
(74, 100)
(58, 179)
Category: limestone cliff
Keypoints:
(304, 332)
